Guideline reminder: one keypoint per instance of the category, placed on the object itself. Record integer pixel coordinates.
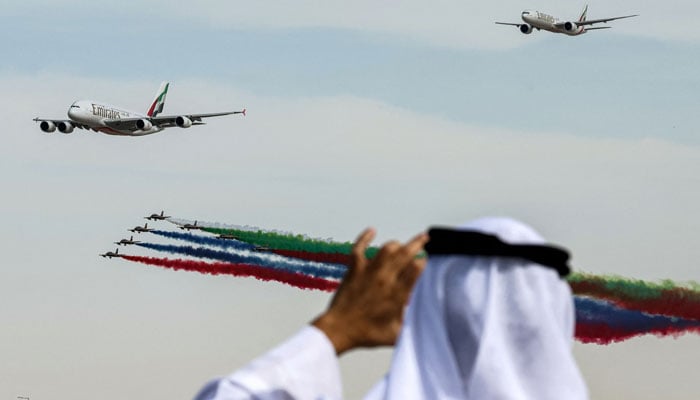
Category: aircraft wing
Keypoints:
(595, 21)
(169, 120)
(508, 23)
(164, 121)
(57, 121)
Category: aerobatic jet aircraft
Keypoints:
(537, 20)
(125, 242)
(190, 226)
(158, 217)
(105, 118)
(227, 236)
(111, 254)
(139, 229)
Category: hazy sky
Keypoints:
(393, 115)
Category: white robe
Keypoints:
(303, 367)
(475, 328)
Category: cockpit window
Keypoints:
(75, 106)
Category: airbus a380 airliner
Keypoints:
(538, 20)
(102, 117)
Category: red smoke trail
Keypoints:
(244, 270)
(604, 334)
(332, 258)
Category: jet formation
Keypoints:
(185, 226)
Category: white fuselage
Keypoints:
(94, 113)
(539, 20)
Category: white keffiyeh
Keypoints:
(486, 328)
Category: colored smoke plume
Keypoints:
(280, 241)
(204, 240)
(665, 298)
(328, 271)
(241, 270)
(333, 258)
(601, 322)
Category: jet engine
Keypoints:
(183, 122)
(526, 29)
(47, 126)
(144, 124)
(570, 26)
(65, 127)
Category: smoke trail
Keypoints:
(206, 224)
(241, 270)
(600, 322)
(332, 258)
(665, 298)
(276, 239)
(279, 241)
(206, 241)
(326, 271)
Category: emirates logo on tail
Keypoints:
(159, 102)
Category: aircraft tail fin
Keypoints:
(582, 18)
(159, 101)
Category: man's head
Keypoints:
(488, 326)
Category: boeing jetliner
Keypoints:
(537, 20)
(102, 117)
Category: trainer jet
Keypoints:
(125, 242)
(158, 217)
(111, 254)
(102, 117)
(189, 227)
(139, 229)
(538, 20)
(227, 236)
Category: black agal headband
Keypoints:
(471, 243)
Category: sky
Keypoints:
(398, 116)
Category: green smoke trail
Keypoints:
(631, 288)
(281, 241)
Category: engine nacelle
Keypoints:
(47, 126)
(183, 122)
(526, 29)
(144, 124)
(65, 127)
(570, 26)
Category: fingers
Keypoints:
(360, 246)
(364, 239)
(416, 244)
(405, 254)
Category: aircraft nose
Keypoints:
(73, 110)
